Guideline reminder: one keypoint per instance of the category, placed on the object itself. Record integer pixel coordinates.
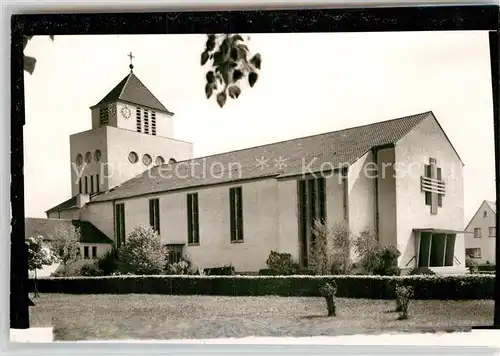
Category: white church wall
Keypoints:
(486, 242)
(412, 153)
(387, 204)
(81, 143)
(121, 142)
(260, 213)
(361, 190)
(101, 216)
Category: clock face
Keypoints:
(125, 111)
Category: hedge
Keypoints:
(374, 287)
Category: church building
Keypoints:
(401, 179)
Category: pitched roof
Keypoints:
(65, 205)
(492, 205)
(321, 152)
(132, 90)
(47, 227)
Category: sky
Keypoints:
(309, 84)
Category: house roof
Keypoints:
(47, 227)
(132, 90)
(492, 205)
(323, 152)
(65, 205)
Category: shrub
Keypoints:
(374, 258)
(421, 271)
(471, 264)
(108, 263)
(330, 251)
(403, 295)
(328, 291)
(282, 264)
(143, 253)
(182, 267)
(91, 270)
(370, 287)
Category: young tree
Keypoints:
(229, 67)
(38, 256)
(65, 245)
(143, 253)
(331, 248)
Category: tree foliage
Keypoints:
(230, 65)
(375, 258)
(143, 253)
(29, 63)
(65, 245)
(38, 255)
(330, 251)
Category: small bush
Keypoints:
(143, 253)
(329, 291)
(91, 270)
(182, 267)
(108, 263)
(419, 271)
(282, 264)
(471, 264)
(403, 295)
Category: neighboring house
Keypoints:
(480, 244)
(235, 207)
(93, 243)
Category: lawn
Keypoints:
(142, 316)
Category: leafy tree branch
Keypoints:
(228, 59)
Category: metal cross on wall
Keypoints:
(433, 185)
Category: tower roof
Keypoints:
(133, 91)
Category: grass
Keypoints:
(142, 316)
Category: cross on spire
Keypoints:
(131, 66)
(433, 185)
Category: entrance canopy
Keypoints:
(442, 231)
(436, 247)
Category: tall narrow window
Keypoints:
(193, 220)
(138, 119)
(98, 183)
(120, 224)
(91, 184)
(146, 122)
(80, 185)
(103, 116)
(477, 232)
(236, 214)
(154, 214)
(94, 251)
(153, 123)
(86, 252)
(312, 207)
(86, 185)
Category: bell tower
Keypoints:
(131, 131)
